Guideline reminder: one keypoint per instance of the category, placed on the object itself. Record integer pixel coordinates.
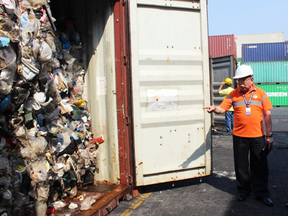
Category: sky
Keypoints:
(242, 17)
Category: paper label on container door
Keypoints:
(101, 85)
(161, 99)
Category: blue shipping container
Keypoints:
(265, 52)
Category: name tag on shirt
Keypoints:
(248, 111)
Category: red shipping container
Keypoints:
(222, 45)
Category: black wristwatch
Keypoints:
(270, 135)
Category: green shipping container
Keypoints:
(277, 93)
(270, 72)
(239, 62)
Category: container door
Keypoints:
(221, 68)
(170, 79)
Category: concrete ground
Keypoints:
(216, 195)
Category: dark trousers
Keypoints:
(253, 178)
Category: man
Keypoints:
(250, 104)
(229, 115)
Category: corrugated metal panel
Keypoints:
(257, 38)
(222, 45)
(264, 52)
(170, 72)
(278, 93)
(270, 72)
(221, 68)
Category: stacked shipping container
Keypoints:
(222, 46)
(269, 62)
(256, 38)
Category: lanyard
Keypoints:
(248, 103)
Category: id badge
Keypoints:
(248, 111)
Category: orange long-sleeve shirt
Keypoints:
(248, 125)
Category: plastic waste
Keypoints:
(73, 206)
(9, 6)
(60, 81)
(9, 29)
(20, 132)
(86, 203)
(21, 92)
(4, 103)
(29, 24)
(50, 211)
(29, 71)
(41, 208)
(31, 103)
(40, 97)
(4, 41)
(38, 145)
(8, 56)
(65, 107)
(65, 43)
(37, 3)
(80, 103)
(58, 205)
(39, 170)
(49, 150)
(50, 39)
(45, 52)
(8, 67)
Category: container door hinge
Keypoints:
(130, 180)
(127, 118)
(125, 62)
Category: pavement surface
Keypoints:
(216, 195)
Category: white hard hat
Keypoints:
(243, 71)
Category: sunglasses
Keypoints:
(243, 80)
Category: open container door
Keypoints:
(220, 69)
(102, 28)
(170, 78)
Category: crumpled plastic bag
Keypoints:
(30, 104)
(45, 52)
(41, 208)
(9, 6)
(8, 66)
(37, 3)
(7, 56)
(42, 192)
(58, 205)
(50, 39)
(38, 145)
(28, 24)
(86, 203)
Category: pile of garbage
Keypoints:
(47, 149)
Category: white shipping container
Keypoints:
(170, 78)
(168, 69)
(257, 38)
